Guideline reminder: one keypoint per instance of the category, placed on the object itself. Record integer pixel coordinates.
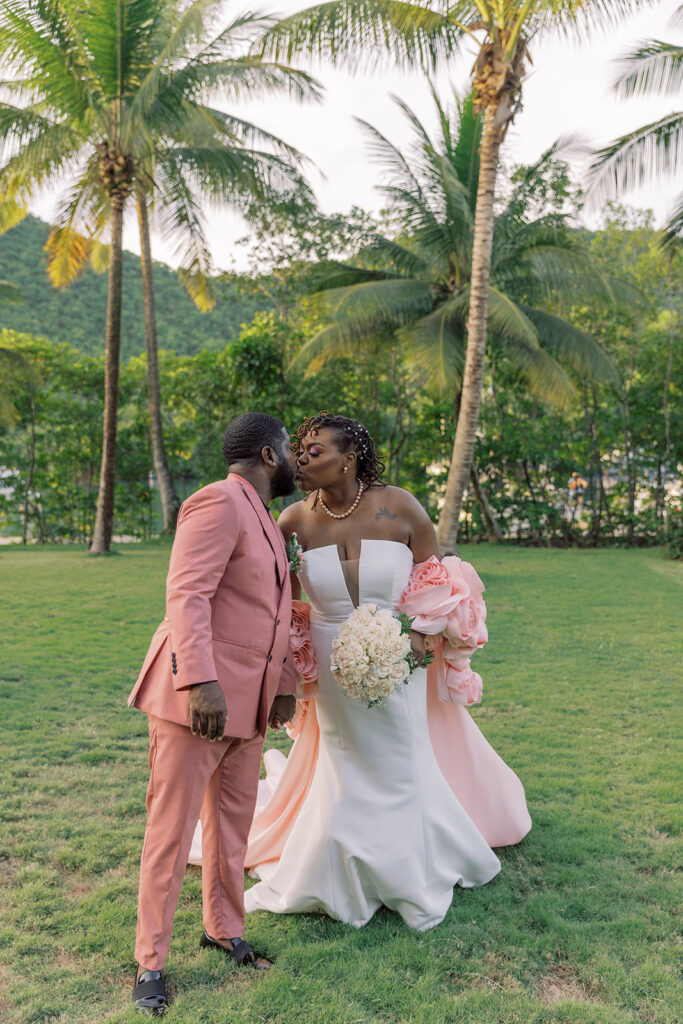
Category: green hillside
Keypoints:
(77, 314)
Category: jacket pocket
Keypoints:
(237, 643)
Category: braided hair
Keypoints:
(351, 436)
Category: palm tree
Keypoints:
(243, 173)
(415, 289)
(654, 149)
(430, 32)
(113, 95)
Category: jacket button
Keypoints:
(284, 660)
(277, 623)
(270, 657)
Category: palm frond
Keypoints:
(577, 19)
(465, 157)
(505, 318)
(544, 376)
(396, 169)
(11, 213)
(572, 347)
(247, 179)
(207, 124)
(183, 228)
(180, 28)
(390, 301)
(436, 344)
(547, 265)
(361, 310)
(68, 253)
(41, 43)
(393, 257)
(654, 67)
(332, 342)
(673, 230)
(361, 34)
(39, 152)
(650, 151)
(328, 275)
(235, 79)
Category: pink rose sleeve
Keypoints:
(303, 652)
(443, 599)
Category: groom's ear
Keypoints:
(269, 456)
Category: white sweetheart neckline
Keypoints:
(364, 544)
(364, 540)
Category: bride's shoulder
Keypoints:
(399, 500)
(291, 517)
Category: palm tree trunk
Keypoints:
(31, 472)
(169, 499)
(663, 461)
(468, 420)
(630, 469)
(104, 518)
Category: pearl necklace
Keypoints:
(348, 512)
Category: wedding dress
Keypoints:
(364, 812)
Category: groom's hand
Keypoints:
(282, 710)
(208, 713)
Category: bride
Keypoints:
(392, 805)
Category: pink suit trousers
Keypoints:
(188, 776)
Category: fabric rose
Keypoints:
(463, 686)
(462, 573)
(305, 660)
(445, 601)
(456, 654)
(466, 625)
(430, 596)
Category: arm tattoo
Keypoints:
(384, 513)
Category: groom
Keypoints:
(216, 674)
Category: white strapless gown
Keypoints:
(380, 825)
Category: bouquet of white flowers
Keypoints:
(371, 654)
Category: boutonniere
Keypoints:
(294, 553)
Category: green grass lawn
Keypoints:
(580, 697)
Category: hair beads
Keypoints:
(352, 435)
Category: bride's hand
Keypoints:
(417, 643)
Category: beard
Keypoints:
(283, 480)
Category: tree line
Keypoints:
(122, 96)
(620, 433)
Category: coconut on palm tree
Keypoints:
(113, 97)
(414, 290)
(430, 33)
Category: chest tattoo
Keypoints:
(384, 513)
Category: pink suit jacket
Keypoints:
(228, 611)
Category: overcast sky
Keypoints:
(568, 90)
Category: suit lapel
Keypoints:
(270, 528)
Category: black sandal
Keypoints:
(242, 953)
(149, 993)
